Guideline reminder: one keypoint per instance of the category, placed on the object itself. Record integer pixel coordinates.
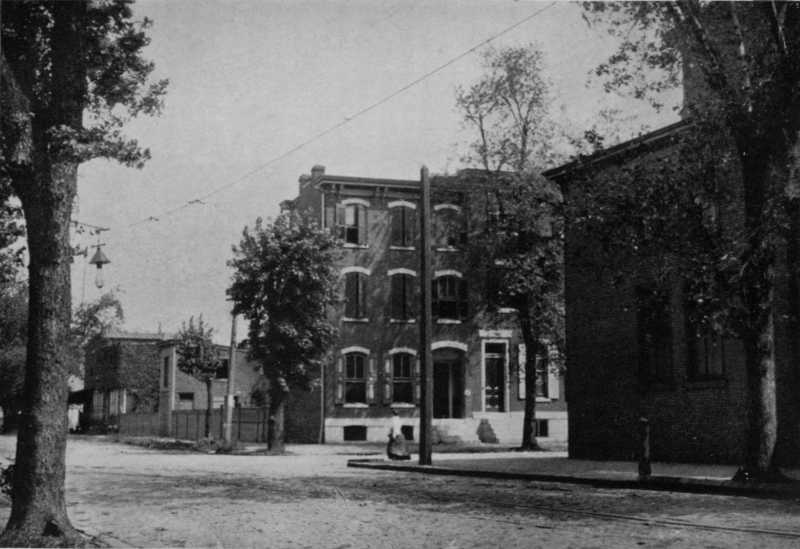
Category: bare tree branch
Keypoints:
(778, 20)
(687, 12)
(741, 52)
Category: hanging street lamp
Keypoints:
(99, 259)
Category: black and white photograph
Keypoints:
(367, 274)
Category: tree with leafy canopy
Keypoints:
(521, 249)
(197, 356)
(741, 66)
(284, 281)
(71, 75)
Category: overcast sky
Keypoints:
(250, 80)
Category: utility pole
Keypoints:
(227, 425)
(426, 322)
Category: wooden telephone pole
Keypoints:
(227, 425)
(425, 325)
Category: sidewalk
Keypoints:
(556, 467)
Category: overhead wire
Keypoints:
(348, 119)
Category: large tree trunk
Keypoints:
(45, 179)
(759, 339)
(38, 513)
(531, 340)
(277, 409)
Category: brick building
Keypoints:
(626, 361)
(478, 387)
(181, 391)
(121, 375)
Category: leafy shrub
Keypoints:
(6, 477)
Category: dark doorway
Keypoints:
(448, 387)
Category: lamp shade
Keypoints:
(99, 258)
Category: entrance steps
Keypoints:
(491, 428)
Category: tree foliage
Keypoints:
(723, 208)
(111, 81)
(71, 75)
(197, 355)
(89, 320)
(508, 109)
(13, 337)
(284, 281)
(521, 249)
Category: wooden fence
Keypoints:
(248, 424)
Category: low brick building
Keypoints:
(626, 360)
(121, 375)
(478, 385)
(180, 391)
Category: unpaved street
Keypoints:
(136, 497)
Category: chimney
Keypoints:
(317, 171)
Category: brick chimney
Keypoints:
(317, 171)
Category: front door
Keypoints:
(448, 389)
(494, 357)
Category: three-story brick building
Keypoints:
(478, 386)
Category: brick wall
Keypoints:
(378, 332)
(691, 421)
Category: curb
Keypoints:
(655, 482)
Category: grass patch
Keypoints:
(202, 446)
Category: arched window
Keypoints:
(448, 229)
(404, 224)
(355, 378)
(450, 297)
(355, 294)
(402, 287)
(401, 376)
(351, 221)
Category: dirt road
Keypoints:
(136, 497)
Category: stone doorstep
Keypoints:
(654, 482)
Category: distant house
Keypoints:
(121, 375)
(179, 391)
(478, 384)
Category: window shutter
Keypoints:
(408, 294)
(339, 381)
(411, 226)
(351, 295)
(435, 297)
(330, 217)
(371, 380)
(362, 295)
(463, 299)
(396, 238)
(361, 212)
(553, 373)
(397, 296)
(521, 357)
(339, 228)
(387, 380)
(417, 385)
